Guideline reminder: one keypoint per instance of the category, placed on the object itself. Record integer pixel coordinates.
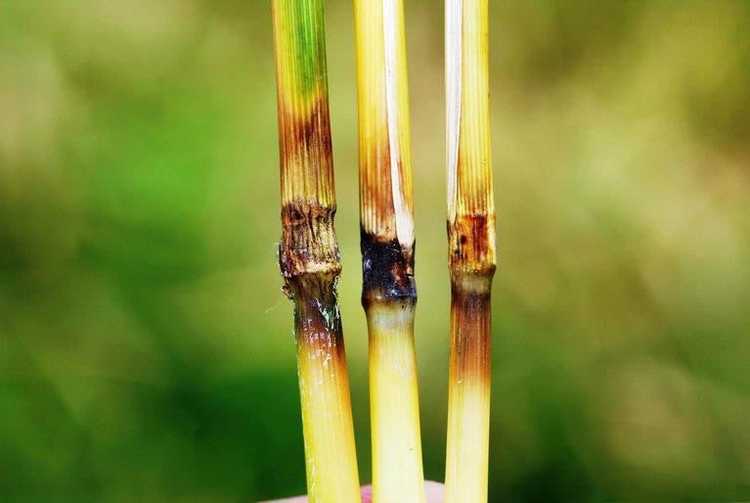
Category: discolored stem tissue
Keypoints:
(387, 225)
(471, 240)
(308, 252)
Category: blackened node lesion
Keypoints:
(388, 271)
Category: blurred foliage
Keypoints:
(145, 347)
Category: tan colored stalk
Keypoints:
(387, 226)
(308, 252)
(471, 236)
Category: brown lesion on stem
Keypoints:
(470, 327)
(387, 264)
(305, 132)
(375, 188)
(317, 319)
(472, 263)
(308, 243)
(472, 244)
(388, 271)
(305, 151)
(310, 265)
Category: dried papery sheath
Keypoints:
(387, 227)
(471, 237)
(386, 205)
(308, 252)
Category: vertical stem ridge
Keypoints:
(386, 202)
(302, 102)
(468, 120)
(471, 238)
(308, 252)
(467, 456)
(387, 226)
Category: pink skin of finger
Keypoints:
(434, 492)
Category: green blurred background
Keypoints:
(146, 350)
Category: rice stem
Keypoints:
(387, 227)
(308, 252)
(471, 237)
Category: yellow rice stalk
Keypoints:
(471, 237)
(387, 226)
(309, 255)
